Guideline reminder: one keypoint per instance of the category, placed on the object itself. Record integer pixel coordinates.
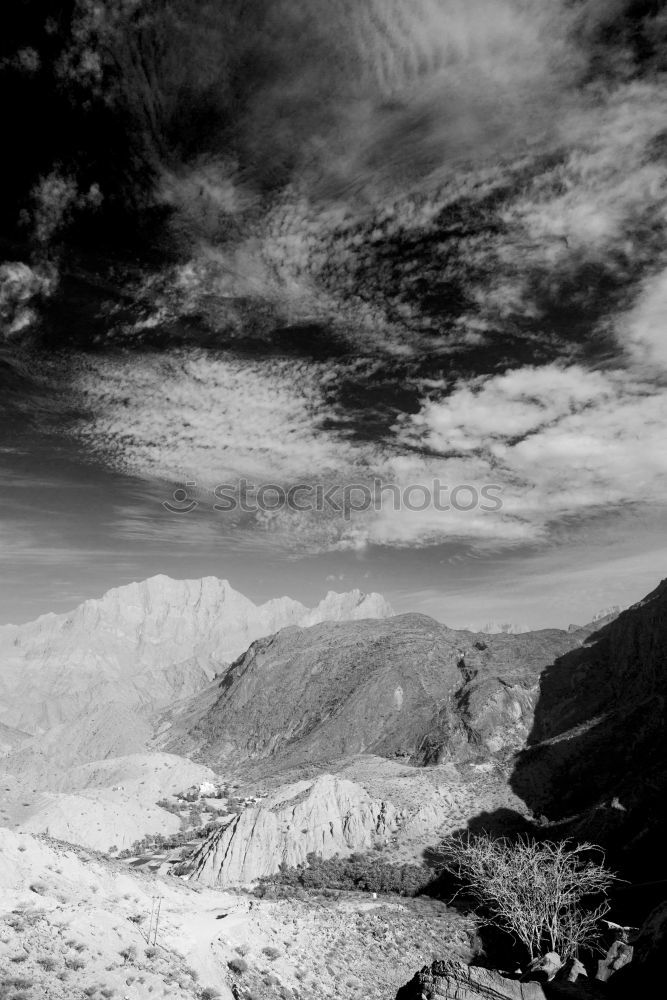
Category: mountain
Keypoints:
(574, 721)
(406, 686)
(601, 617)
(512, 628)
(607, 613)
(143, 646)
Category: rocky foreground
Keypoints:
(636, 974)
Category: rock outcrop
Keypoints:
(456, 981)
(400, 686)
(144, 645)
(326, 817)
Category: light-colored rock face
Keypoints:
(144, 645)
(327, 816)
(604, 613)
(10, 739)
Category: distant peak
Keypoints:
(501, 628)
(611, 612)
(161, 593)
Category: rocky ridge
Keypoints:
(327, 816)
(403, 686)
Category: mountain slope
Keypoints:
(142, 646)
(401, 686)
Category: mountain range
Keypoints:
(143, 646)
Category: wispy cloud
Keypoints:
(196, 415)
(562, 441)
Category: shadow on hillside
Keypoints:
(593, 764)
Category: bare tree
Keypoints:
(548, 895)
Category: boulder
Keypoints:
(543, 969)
(449, 980)
(639, 977)
(572, 971)
(618, 956)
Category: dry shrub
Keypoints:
(238, 965)
(548, 895)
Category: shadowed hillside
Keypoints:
(595, 759)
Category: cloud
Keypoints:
(555, 249)
(199, 416)
(563, 441)
(644, 329)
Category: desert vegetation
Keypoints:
(549, 896)
(362, 872)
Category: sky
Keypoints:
(463, 283)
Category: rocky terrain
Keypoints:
(105, 803)
(143, 646)
(86, 685)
